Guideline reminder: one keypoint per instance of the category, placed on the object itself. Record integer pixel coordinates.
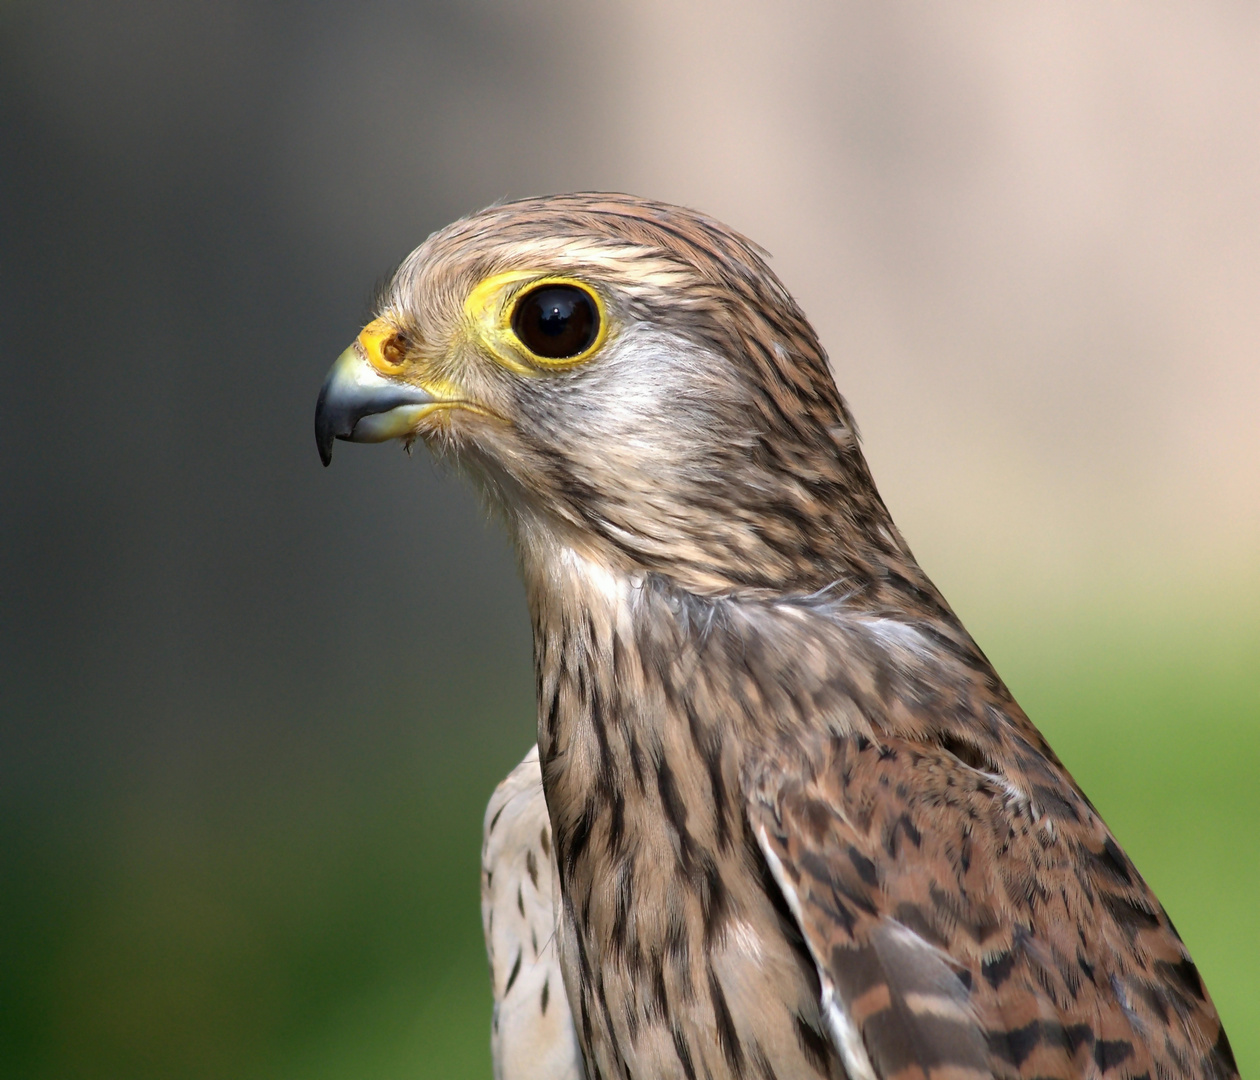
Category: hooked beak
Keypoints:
(360, 404)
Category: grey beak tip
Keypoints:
(324, 428)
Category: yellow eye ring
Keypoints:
(548, 321)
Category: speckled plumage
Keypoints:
(800, 826)
(531, 1031)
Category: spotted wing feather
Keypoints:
(960, 930)
(532, 1034)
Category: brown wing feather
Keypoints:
(966, 931)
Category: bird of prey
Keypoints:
(784, 819)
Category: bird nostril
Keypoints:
(394, 349)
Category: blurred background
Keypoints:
(251, 710)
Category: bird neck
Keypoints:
(637, 753)
(644, 686)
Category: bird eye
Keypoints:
(556, 322)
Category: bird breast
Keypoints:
(677, 959)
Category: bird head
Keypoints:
(624, 378)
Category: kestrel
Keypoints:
(784, 820)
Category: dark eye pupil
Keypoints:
(556, 321)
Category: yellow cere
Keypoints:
(488, 314)
(374, 340)
(373, 337)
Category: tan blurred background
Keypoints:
(250, 709)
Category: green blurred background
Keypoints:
(250, 711)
